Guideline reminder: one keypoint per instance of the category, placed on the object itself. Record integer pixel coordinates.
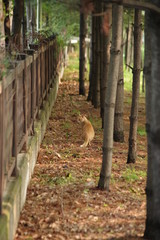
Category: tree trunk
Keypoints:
(2, 42)
(106, 59)
(30, 20)
(155, 117)
(82, 54)
(7, 25)
(96, 83)
(148, 234)
(93, 57)
(17, 22)
(132, 151)
(105, 175)
(102, 39)
(128, 44)
(118, 118)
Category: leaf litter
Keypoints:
(63, 202)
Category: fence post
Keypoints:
(15, 143)
(31, 52)
(1, 145)
(25, 104)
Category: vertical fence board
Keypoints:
(15, 124)
(1, 146)
(25, 102)
(32, 92)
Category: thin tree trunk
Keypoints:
(82, 54)
(155, 117)
(128, 44)
(2, 42)
(91, 71)
(96, 84)
(105, 174)
(17, 22)
(118, 118)
(106, 59)
(148, 234)
(132, 151)
(7, 25)
(102, 39)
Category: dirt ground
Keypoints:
(63, 202)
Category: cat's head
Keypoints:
(81, 118)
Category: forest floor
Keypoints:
(63, 202)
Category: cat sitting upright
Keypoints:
(87, 130)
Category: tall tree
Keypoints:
(132, 151)
(118, 119)
(129, 38)
(18, 11)
(91, 69)
(82, 47)
(148, 234)
(7, 24)
(105, 52)
(30, 20)
(105, 174)
(155, 116)
(96, 77)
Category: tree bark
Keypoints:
(17, 22)
(118, 118)
(128, 45)
(7, 25)
(132, 151)
(148, 234)
(105, 173)
(106, 59)
(82, 54)
(96, 83)
(89, 98)
(155, 117)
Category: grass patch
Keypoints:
(141, 131)
(66, 125)
(76, 112)
(73, 62)
(59, 180)
(131, 174)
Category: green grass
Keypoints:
(66, 125)
(59, 180)
(132, 175)
(76, 112)
(141, 131)
(73, 62)
(127, 79)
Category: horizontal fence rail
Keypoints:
(22, 92)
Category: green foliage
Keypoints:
(4, 64)
(63, 18)
(73, 64)
(75, 112)
(128, 80)
(132, 175)
(141, 131)
(59, 180)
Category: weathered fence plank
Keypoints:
(1, 146)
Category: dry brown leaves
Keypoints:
(63, 202)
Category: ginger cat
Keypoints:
(87, 130)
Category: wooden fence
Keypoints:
(22, 93)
